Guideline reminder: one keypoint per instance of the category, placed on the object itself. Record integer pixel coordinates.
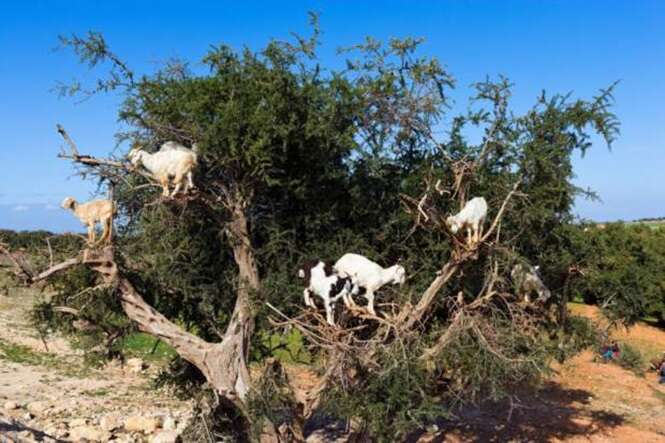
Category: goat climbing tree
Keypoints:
(296, 158)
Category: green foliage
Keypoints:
(20, 354)
(631, 358)
(92, 318)
(580, 334)
(146, 347)
(623, 265)
(489, 357)
(286, 347)
(317, 161)
(398, 398)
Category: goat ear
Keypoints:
(301, 273)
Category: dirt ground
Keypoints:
(54, 392)
(584, 401)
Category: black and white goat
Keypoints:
(320, 279)
(527, 281)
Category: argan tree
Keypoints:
(298, 160)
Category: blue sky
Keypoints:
(559, 46)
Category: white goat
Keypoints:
(471, 217)
(90, 213)
(172, 160)
(320, 280)
(364, 273)
(527, 281)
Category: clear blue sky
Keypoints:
(559, 46)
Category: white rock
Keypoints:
(169, 424)
(165, 437)
(110, 422)
(138, 423)
(37, 407)
(136, 365)
(11, 405)
(78, 422)
(88, 433)
(26, 436)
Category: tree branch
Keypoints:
(70, 142)
(502, 209)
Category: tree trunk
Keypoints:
(223, 364)
(234, 349)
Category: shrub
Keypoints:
(631, 358)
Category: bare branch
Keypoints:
(56, 268)
(66, 310)
(70, 142)
(499, 214)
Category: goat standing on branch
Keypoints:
(471, 217)
(527, 281)
(171, 161)
(321, 281)
(91, 213)
(364, 273)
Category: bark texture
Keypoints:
(224, 364)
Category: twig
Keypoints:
(70, 142)
(50, 252)
(499, 214)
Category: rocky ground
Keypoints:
(53, 396)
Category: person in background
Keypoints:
(610, 351)
(657, 362)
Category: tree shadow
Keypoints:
(11, 431)
(552, 412)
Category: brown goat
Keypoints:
(91, 213)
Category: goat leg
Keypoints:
(176, 189)
(190, 181)
(106, 233)
(349, 302)
(369, 295)
(110, 224)
(164, 181)
(329, 311)
(308, 300)
(91, 233)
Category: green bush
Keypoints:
(580, 333)
(631, 358)
(623, 267)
